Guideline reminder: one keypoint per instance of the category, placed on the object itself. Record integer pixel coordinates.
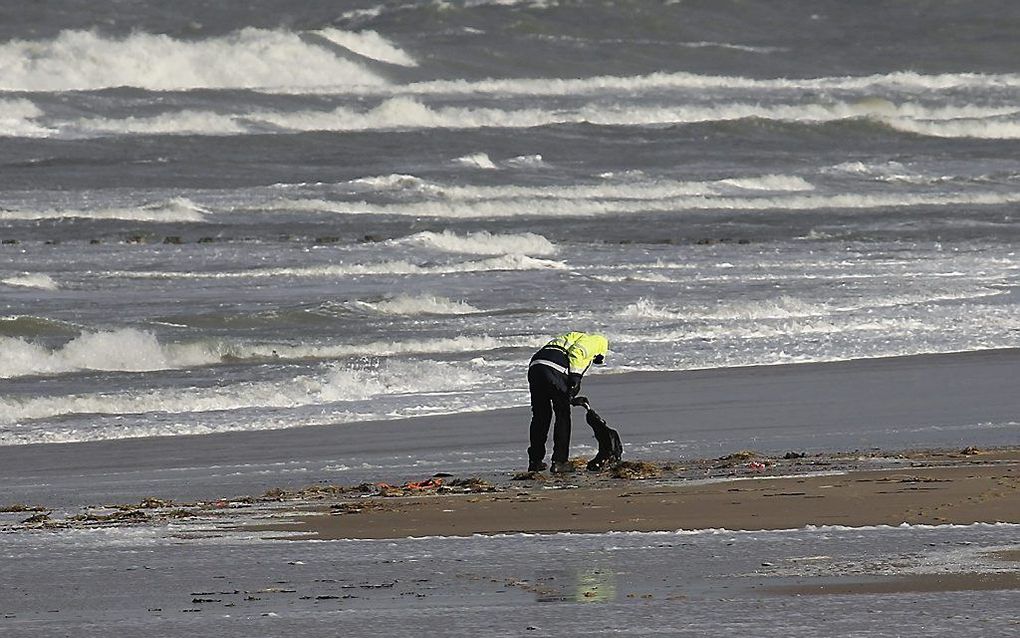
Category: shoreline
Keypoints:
(942, 401)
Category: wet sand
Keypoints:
(958, 489)
(915, 584)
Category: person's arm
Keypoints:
(574, 380)
(581, 354)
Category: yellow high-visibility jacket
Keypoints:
(581, 348)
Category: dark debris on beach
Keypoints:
(353, 499)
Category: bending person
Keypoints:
(554, 378)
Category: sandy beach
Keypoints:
(743, 491)
(930, 489)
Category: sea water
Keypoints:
(222, 217)
(186, 579)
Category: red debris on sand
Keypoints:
(427, 484)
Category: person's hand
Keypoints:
(574, 387)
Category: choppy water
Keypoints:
(267, 217)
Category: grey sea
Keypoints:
(247, 244)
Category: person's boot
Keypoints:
(537, 466)
(562, 467)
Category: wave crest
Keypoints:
(368, 44)
(31, 280)
(338, 384)
(249, 58)
(483, 243)
(420, 305)
(178, 209)
(126, 349)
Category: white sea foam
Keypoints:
(398, 267)
(178, 209)
(634, 187)
(362, 14)
(338, 384)
(561, 204)
(125, 349)
(443, 345)
(654, 82)
(420, 305)
(31, 280)
(385, 182)
(369, 44)
(408, 112)
(402, 113)
(477, 160)
(482, 243)
(783, 307)
(731, 46)
(130, 350)
(248, 58)
(187, 122)
(527, 161)
(646, 277)
(890, 171)
(998, 129)
(790, 307)
(770, 183)
(16, 117)
(645, 308)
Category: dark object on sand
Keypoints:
(610, 446)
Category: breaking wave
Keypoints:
(249, 58)
(16, 117)
(482, 243)
(131, 350)
(398, 267)
(783, 307)
(404, 112)
(527, 161)
(178, 209)
(653, 82)
(368, 44)
(420, 305)
(477, 160)
(611, 188)
(770, 183)
(127, 350)
(408, 113)
(789, 307)
(991, 129)
(563, 203)
(443, 345)
(186, 122)
(31, 280)
(339, 384)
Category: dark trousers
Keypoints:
(550, 393)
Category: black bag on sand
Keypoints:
(610, 446)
